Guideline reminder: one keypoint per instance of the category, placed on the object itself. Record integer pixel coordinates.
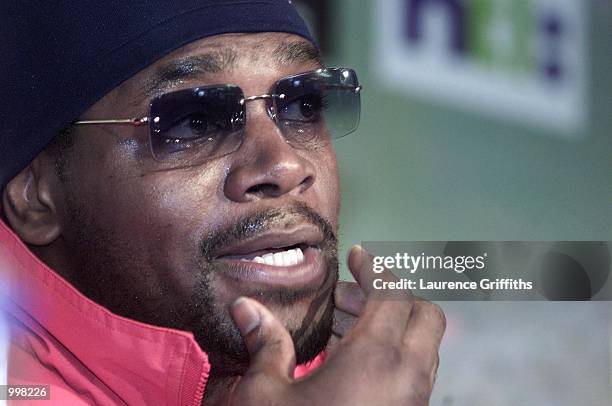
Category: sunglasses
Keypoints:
(190, 126)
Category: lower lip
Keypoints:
(309, 272)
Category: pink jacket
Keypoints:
(86, 353)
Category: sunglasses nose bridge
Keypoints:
(268, 99)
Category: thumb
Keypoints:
(360, 263)
(269, 344)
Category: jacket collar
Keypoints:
(138, 363)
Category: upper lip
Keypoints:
(303, 234)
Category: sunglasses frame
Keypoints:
(146, 120)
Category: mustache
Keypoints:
(258, 222)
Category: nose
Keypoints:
(266, 166)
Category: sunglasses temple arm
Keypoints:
(132, 121)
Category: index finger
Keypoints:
(349, 297)
(386, 312)
(361, 266)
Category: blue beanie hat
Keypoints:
(58, 58)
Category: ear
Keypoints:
(28, 204)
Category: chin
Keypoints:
(312, 333)
(307, 317)
(306, 311)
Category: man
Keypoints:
(176, 242)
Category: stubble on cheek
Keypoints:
(193, 296)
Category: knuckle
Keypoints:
(435, 312)
(422, 362)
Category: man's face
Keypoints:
(174, 246)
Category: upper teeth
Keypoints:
(284, 258)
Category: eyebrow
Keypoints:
(297, 52)
(189, 67)
(216, 61)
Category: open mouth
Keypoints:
(287, 256)
(277, 257)
(284, 247)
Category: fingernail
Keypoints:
(357, 256)
(246, 316)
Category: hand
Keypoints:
(390, 357)
(349, 300)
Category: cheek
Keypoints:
(328, 185)
(156, 219)
(182, 205)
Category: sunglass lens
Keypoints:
(318, 105)
(194, 125)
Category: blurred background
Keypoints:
(485, 120)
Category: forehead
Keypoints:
(282, 47)
(228, 55)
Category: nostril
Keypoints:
(307, 182)
(264, 189)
